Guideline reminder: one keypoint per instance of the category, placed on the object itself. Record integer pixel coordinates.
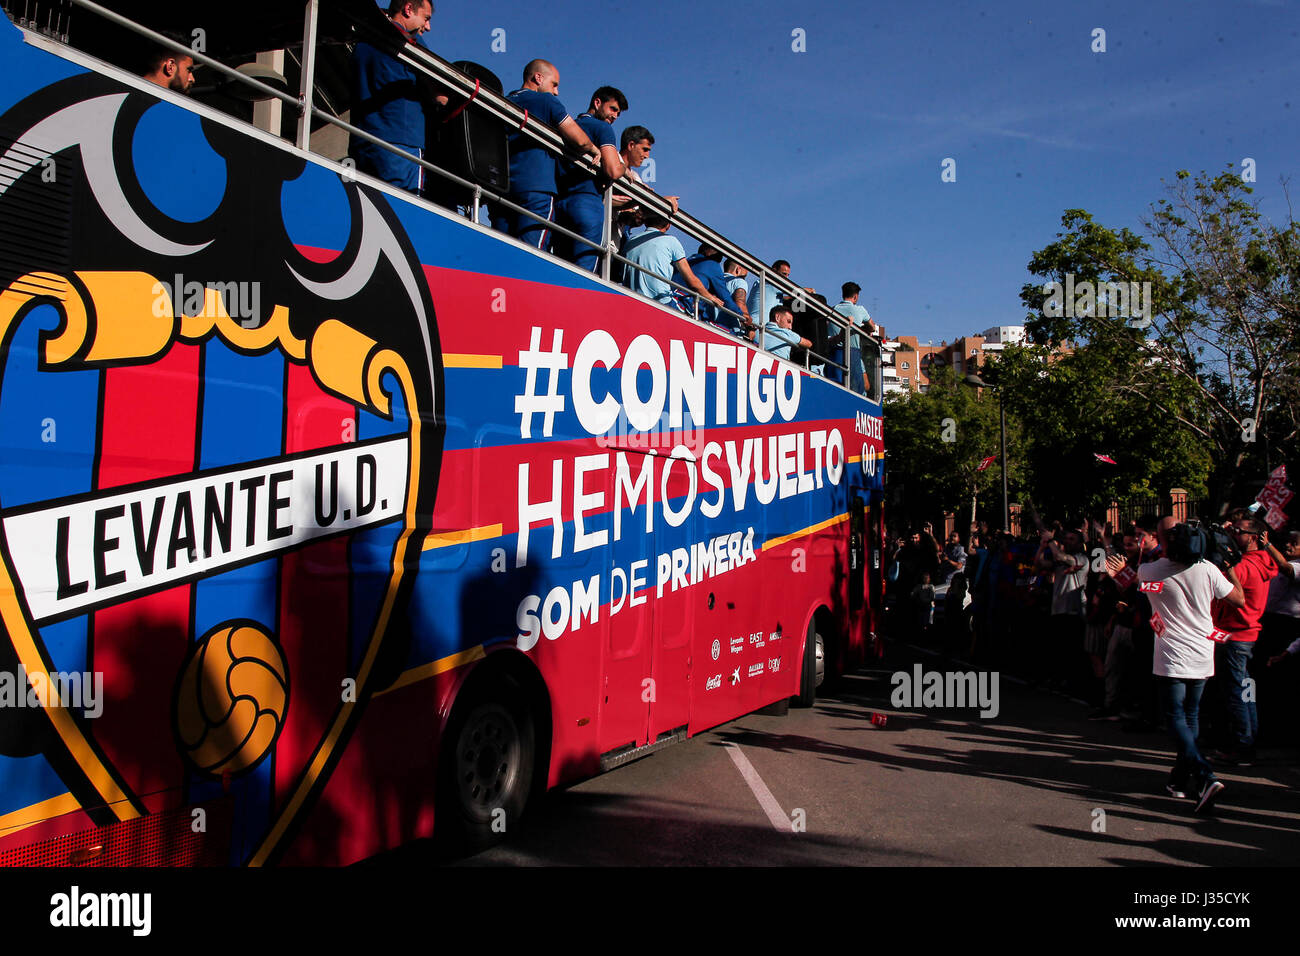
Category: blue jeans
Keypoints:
(1181, 699)
(585, 215)
(1241, 713)
(523, 227)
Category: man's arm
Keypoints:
(1283, 565)
(694, 282)
(611, 162)
(741, 301)
(1236, 597)
(571, 131)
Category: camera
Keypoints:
(1194, 541)
(1223, 550)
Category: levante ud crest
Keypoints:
(221, 448)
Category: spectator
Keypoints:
(658, 254)
(1280, 636)
(1254, 572)
(922, 600)
(532, 167)
(169, 69)
(953, 559)
(1069, 566)
(1181, 596)
(581, 205)
(1118, 666)
(779, 336)
(387, 101)
(957, 615)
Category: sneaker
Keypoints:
(1103, 713)
(1174, 790)
(1209, 792)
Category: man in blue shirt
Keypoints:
(582, 206)
(763, 310)
(860, 319)
(779, 335)
(658, 254)
(706, 265)
(386, 102)
(532, 166)
(736, 276)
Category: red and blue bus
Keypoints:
(331, 519)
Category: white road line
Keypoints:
(764, 796)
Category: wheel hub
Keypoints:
(488, 759)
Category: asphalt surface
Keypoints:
(1037, 785)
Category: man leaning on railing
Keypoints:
(779, 336)
(533, 168)
(581, 206)
(658, 254)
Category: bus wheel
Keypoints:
(487, 769)
(814, 666)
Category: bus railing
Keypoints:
(434, 67)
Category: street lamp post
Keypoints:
(974, 381)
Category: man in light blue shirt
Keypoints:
(779, 335)
(861, 319)
(763, 310)
(658, 253)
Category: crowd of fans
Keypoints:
(1083, 608)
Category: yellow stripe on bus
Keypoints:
(445, 539)
(11, 823)
(811, 529)
(470, 360)
(425, 671)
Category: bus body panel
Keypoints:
(296, 428)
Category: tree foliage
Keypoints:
(1216, 358)
(935, 441)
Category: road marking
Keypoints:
(759, 788)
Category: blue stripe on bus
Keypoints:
(48, 449)
(242, 420)
(492, 396)
(27, 780)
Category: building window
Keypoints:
(905, 365)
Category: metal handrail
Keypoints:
(424, 61)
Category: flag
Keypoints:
(986, 462)
(1106, 458)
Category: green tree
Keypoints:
(934, 443)
(1214, 355)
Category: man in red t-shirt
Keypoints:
(1255, 569)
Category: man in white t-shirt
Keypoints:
(1181, 596)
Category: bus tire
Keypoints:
(814, 662)
(486, 772)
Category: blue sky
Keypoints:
(831, 158)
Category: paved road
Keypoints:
(931, 788)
